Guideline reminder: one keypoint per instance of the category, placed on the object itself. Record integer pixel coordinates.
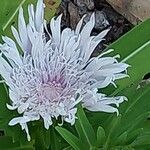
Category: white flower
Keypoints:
(53, 76)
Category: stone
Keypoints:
(74, 14)
(89, 4)
(100, 20)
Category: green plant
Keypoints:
(9, 11)
(93, 131)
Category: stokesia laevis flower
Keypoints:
(53, 76)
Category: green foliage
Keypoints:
(133, 49)
(70, 138)
(126, 131)
(9, 11)
(84, 128)
(101, 136)
(6, 143)
(92, 131)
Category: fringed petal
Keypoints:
(39, 15)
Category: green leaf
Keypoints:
(121, 140)
(46, 139)
(56, 140)
(42, 136)
(138, 121)
(133, 48)
(142, 140)
(9, 14)
(111, 131)
(68, 148)
(98, 118)
(136, 71)
(85, 129)
(132, 40)
(136, 110)
(70, 138)
(132, 136)
(6, 143)
(10, 9)
(101, 136)
(39, 139)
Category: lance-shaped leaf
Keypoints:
(101, 136)
(143, 140)
(10, 10)
(84, 128)
(133, 49)
(70, 138)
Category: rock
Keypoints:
(74, 10)
(134, 10)
(100, 20)
(106, 17)
(89, 4)
(74, 14)
(63, 9)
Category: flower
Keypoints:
(54, 75)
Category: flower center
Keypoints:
(50, 91)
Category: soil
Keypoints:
(106, 17)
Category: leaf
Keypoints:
(10, 10)
(9, 14)
(98, 118)
(135, 54)
(134, 113)
(39, 139)
(121, 140)
(101, 136)
(6, 143)
(47, 138)
(42, 136)
(142, 140)
(69, 137)
(111, 131)
(85, 129)
(137, 37)
(138, 121)
(136, 110)
(136, 71)
(133, 135)
(56, 140)
(68, 148)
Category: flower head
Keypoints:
(53, 76)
